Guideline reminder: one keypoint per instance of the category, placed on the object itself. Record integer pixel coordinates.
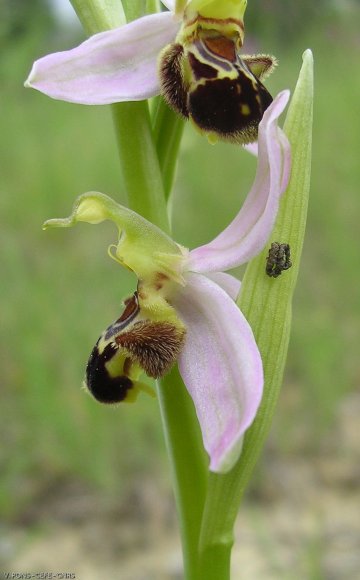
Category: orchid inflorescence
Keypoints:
(184, 308)
(187, 298)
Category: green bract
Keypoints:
(267, 304)
(142, 246)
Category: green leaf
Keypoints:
(266, 303)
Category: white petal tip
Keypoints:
(28, 82)
(227, 462)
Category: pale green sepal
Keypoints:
(219, 10)
(225, 16)
(142, 246)
(266, 303)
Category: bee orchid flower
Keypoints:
(184, 308)
(190, 54)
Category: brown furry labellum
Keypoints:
(154, 345)
(207, 81)
(127, 344)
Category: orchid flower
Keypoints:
(184, 308)
(189, 54)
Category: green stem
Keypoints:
(189, 464)
(181, 428)
(134, 9)
(266, 304)
(139, 162)
(98, 15)
(143, 180)
(153, 6)
(215, 558)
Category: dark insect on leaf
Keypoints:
(278, 259)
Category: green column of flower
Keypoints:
(266, 303)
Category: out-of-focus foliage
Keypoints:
(288, 20)
(18, 17)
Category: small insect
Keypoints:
(128, 347)
(207, 81)
(278, 259)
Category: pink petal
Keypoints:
(227, 282)
(112, 66)
(286, 169)
(252, 148)
(249, 231)
(221, 367)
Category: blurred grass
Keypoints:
(59, 289)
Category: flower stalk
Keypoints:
(189, 464)
(140, 169)
(145, 182)
(98, 15)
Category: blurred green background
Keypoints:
(59, 290)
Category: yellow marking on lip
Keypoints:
(245, 109)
